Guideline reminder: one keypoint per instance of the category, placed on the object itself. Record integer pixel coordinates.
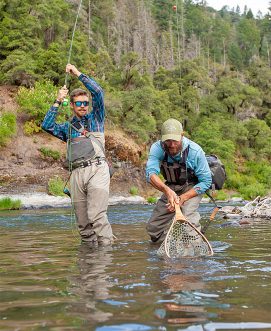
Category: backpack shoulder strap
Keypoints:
(185, 155)
(163, 148)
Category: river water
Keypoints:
(49, 281)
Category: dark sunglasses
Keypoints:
(80, 103)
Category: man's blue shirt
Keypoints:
(93, 121)
(196, 161)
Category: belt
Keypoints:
(87, 163)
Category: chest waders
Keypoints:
(177, 172)
(84, 150)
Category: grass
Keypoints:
(56, 186)
(8, 127)
(134, 190)
(49, 153)
(9, 204)
(151, 199)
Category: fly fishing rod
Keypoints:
(214, 212)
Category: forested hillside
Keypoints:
(155, 59)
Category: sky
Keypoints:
(254, 5)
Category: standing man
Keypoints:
(90, 177)
(187, 176)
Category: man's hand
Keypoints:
(172, 198)
(187, 195)
(71, 69)
(62, 93)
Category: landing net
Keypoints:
(183, 239)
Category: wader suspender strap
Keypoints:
(87, 134)
(183, 158)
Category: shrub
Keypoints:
(221, 195)
(251, 191)
(260, 170)
(31, 127)
(134, 190)
(8, 127)
(56, 186)
(37, 100)
(151, 199)
(9, 204)
(234, 180)
(49, 153)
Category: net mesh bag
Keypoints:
(183, 240)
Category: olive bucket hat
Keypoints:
(171, 129)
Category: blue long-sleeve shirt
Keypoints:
(93, 121)
(196, 161)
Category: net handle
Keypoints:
(179, 216)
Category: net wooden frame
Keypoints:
(184, 239)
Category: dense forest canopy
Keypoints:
(155, 59)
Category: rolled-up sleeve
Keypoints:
(155, 157)
(49, 125)
(203, 173)
(98, 108)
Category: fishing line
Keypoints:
(73, 33)
(65, 103)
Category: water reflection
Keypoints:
(92, 284)
(186, 283)
(48, 281)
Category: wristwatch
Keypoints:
(58, 102)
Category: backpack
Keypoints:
(218, 171)
(217, 168)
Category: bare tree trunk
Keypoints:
(89, 25)
(171, 44)
(268, 54)
(208, 55)
(224, 54)
(182, 27)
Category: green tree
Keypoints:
(162, 10)
(209, 136)
(236, 95)
(259, 137)
(248, 36)
(137, 118)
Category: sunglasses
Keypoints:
(80, 103)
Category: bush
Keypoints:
(9, 204)
(251, 191)
(8, 127)
(234, 180)
(260, 170)
(49, 153)
(36, 101)
(221, 195)
(56, 186)
(134, 190)
(31, 127)
(151, 199)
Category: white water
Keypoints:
(35, 200)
